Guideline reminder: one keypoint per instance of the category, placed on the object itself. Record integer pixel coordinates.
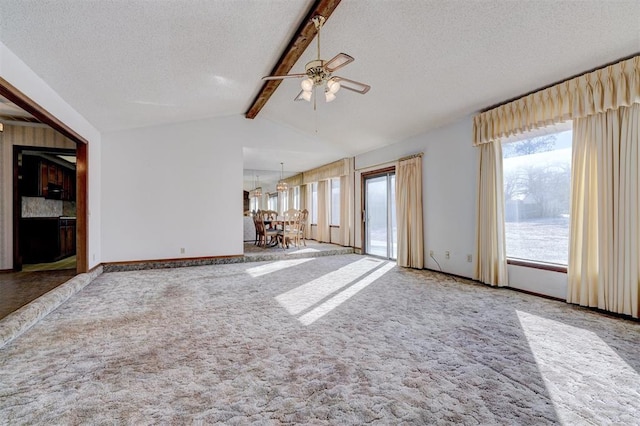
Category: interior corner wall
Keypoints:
(18, 74)
(449, 203)
(173, 187)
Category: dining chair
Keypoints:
(304, 216)
(269, 216)
(291, 228)
(270, 236)
(256, 225)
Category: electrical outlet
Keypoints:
(430, 253)
(469, 258)
(181, 250)
(446, 254)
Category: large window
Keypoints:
(296, 198)
(285, 200)
(335, 202)
(537, 182)
(314, 203)
(273, 202)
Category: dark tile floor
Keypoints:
(19, 288)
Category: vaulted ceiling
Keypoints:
(134, 63)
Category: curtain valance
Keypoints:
(605, 89)
(328, 171)
(295, 180)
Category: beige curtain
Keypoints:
(409, 213)
(306, 202)
(324, 205)
(303, 199)
(491, 258)
(346, 210)
(290, 198)
(604, 253)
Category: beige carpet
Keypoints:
(331, 340)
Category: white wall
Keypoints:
(177, 186)
(449, 201)
(171, 187)
(16, 72)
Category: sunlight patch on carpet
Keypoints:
(304, 250)
(344, 295)
(580, 369)
(301, 298)
(269, 268)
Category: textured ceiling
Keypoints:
(133, 63)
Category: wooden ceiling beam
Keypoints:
(298, 44)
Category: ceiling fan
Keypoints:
(319, 72)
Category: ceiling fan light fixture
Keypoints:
(333, 86)
(307, 84)
(318, 73)
(329, 97)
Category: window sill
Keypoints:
(554, 267)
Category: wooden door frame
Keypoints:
(14, 95)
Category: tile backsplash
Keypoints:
(69, 208)
(41, 207)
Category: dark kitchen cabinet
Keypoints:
(67, 237)
(47, 239)
(43, 178)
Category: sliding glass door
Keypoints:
(380, 215)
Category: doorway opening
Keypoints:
(380, 231)
(45, 209)
(22, 119)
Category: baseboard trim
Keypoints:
(137, 265)
(544, 296)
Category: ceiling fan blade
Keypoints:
(338, 61)
(354, 86)
(280, 77)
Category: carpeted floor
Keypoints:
(332, 340)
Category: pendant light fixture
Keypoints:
(257, 192)
(282, 186)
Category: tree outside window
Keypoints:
(537, 181)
